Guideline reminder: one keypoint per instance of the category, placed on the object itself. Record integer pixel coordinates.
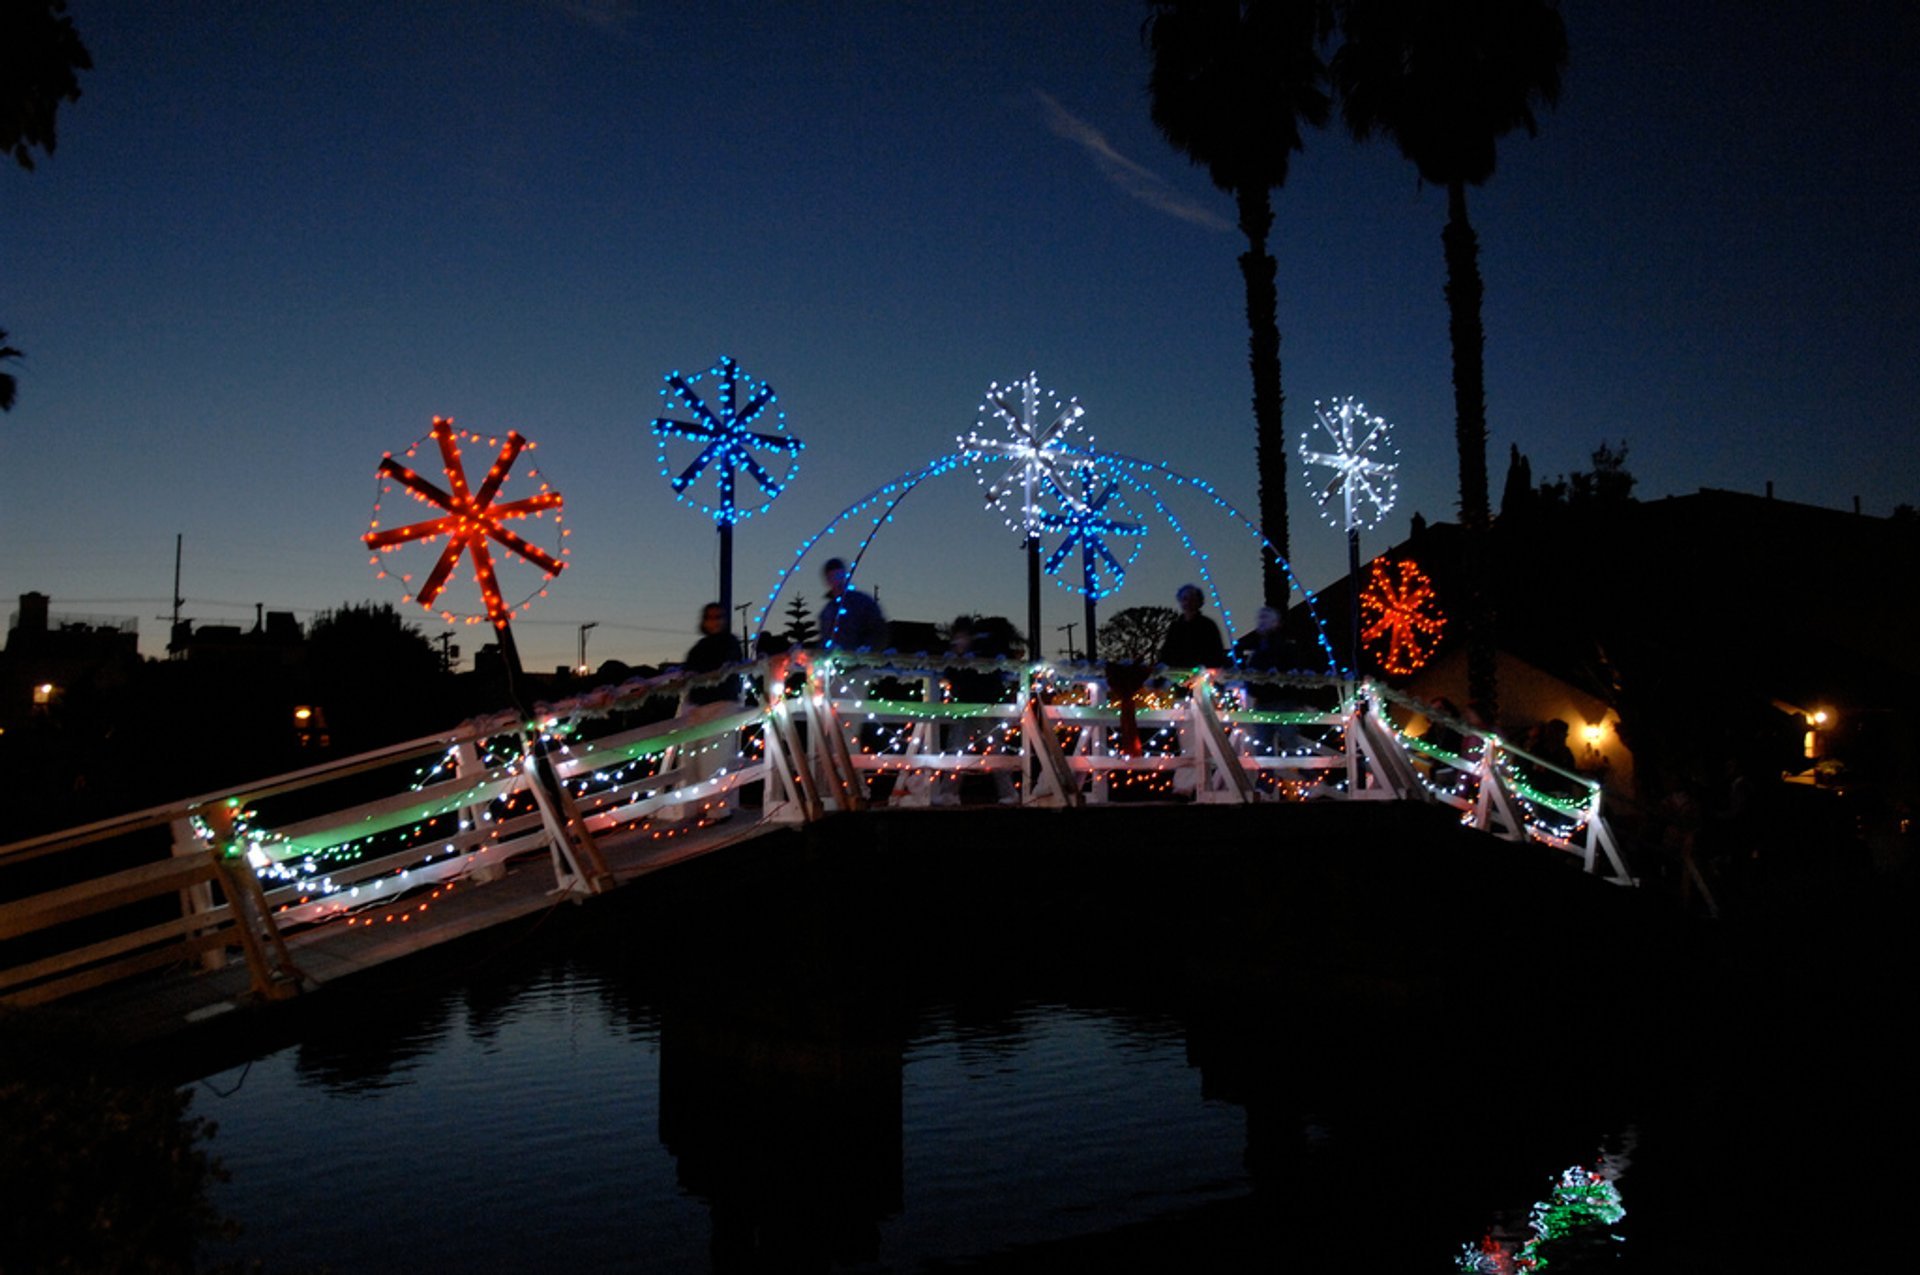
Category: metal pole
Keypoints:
(726, 567)
(1092, 647)
(1033, 595)
(1353, 598)
(582, 847)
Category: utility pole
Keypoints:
(176, 648)
(448, 652)
(581, 667)
(1068, 630)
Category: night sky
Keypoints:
(277, 239)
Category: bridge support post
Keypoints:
(832, 759)
(796, 800)
(273, 974)
(196, 899)
(1217, 756)
(1047, 777)
(577, 864)
(468, 766)
(1492, 805)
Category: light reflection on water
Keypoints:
(841, 1069)
(563, 1122)
(534, 1136)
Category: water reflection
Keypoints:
(785, 1118)
(813, 1078)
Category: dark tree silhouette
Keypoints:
(1233, 82)
(1517, 496)
(40, 53)
(1446, 80)
(1136, 634)
(800, 628)
(377, 677)
(1608, 485)
(7, 385)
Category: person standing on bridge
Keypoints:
(1268, 650)
(849, 619)
(716, 649)
(1193, 640)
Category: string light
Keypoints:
(1358, 448)
(726, 443)
(471, 519)
(1026, 427)
(1091, 517)
(1399, 611)
(1581, 1200)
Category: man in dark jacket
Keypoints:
(1193, 639)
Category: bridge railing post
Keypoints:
(273, 974)
(196, 899)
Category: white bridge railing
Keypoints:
(593, 781)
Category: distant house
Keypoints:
(1684, 631)
(50, 657)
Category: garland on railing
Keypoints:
(454, 818)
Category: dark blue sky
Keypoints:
(277, 239)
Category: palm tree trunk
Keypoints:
(1470, 436)
(1263, 354)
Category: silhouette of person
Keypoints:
(716, 649)
(849, 619)
(1193, 639)
(974, 686)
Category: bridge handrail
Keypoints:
(1062, 752)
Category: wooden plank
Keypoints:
(77, 957)
(70, 903)
(100, 976)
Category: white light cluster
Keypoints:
(1021, 436)
(1358, 450)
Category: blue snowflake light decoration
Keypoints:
(727, 444)
(1094, 517)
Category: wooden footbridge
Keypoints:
(155, 920)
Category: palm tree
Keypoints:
(1232, 83)
(1446, 80)
(39, 53)
(8, 386)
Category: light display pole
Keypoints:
(723, 414)
(1026, 452)
(1355, 451)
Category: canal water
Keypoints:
(834, 1063)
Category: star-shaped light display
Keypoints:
(727, 445)
(1358, 448)
(470, 520)
(1033, 445)
(1090, 518)
(1401, 613)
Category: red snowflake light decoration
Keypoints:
(1400, 611)
(471, 519)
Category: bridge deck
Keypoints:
(144, 1011)
(429, 841)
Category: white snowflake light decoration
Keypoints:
(1032, 443)
(1357, 451)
